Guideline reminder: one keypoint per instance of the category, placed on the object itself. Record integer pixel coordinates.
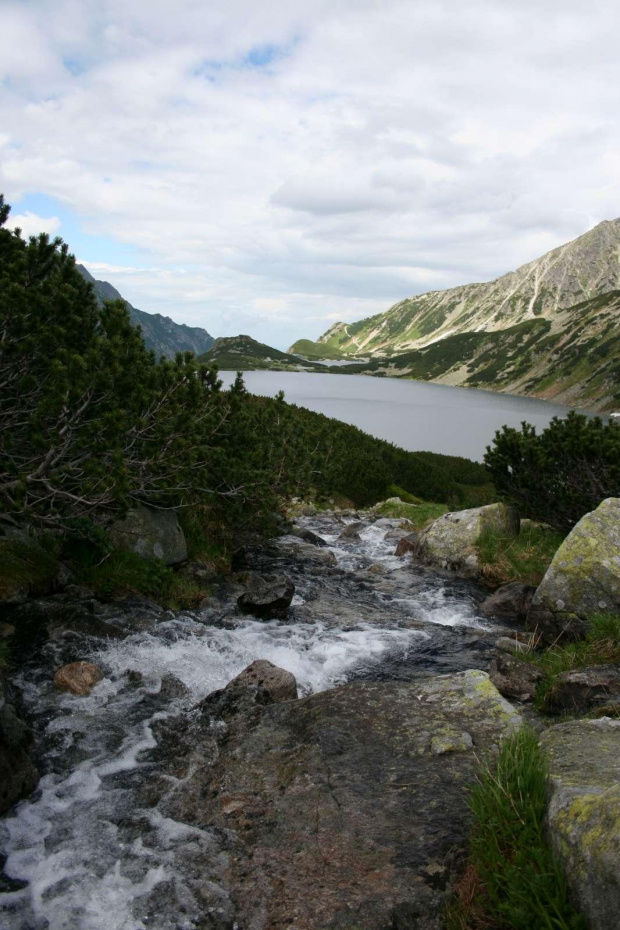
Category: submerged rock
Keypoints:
(78, 677)
(583, 578)
(584, 813)
(347, 809)
(450, 542)
(266, 593)
(152, 534)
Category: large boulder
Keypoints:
(584, 813)
(450, 542)
(583, 578)
(346, 809)
(18, 775)
(266, 594)
(151, 534)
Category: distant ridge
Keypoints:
(242, 353)
(161, 334)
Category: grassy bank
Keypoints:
(512, 881)
(524, 559)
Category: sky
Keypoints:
(271, 168)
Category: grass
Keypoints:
(600, 647)
(512, 881)
(419, 514)
(524, 559)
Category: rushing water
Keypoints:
(85, 852)
(412, 414)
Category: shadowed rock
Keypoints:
(510, 602)
(266, 593)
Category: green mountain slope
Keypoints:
(315, 350)
(242, 353)
(573, 358)
(578, 271)
(160, 333)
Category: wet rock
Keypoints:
(266, 593)
(407, 544)
(375, 569)
(509, 602)
(310, 537)
(152, 534)
(584, 813)
(349, 806)
(518, 642)
(450, 542)
(585, 689)
(583, 578)
(305, 552)
(278, 684)
(18, 774)
(515, 678)
(351, 531)
(172, 689)
(78, 677)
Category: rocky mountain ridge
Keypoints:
(242, 353)
(161, 334)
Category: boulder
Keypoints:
(265, 594)
(351, 531)
(450, 542)
(509, 602)
(310, 537)
(583, 578)
(407, 544)
(151, 534)
(582, 690)
(346, 809)
(277, 683)
(18, 775)
(584, 813)
(78, 677)
(513, 677)
(305, 552)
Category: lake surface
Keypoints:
(415, 415)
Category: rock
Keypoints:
(583, 578)
(515, 678)
(351, 531)
(346, 809)
(407, 544)
(63, 577)
(584, 813)
(450, 541)
(303, 551)
(277, 683)
(585, 689)
(395, 534)
(152, 534)
(375, 569)
(200, 572)
(266, 593)
(310, 537)
(18, 775)
(78, 677)
(509, 602)
(518, 642)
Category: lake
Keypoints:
(415, 415)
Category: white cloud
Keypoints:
(280, 163)
(31, 224)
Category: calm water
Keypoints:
(411, 414)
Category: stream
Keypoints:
(85, 852)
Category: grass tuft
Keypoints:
(512, 881)
(524, 559)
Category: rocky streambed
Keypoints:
(166, 802)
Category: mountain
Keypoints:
(574, 360)
(160, 333)
(575, 272)
(242, 353)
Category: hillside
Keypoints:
(161, 334)
(578, 271)
(242, 353)
(573, 359)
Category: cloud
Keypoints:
(282, 163)
(31, 224)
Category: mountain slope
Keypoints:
(242, 353)
(578, 271)
(573, 359)
(160, 333)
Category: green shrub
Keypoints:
(560, 474)
(512, 881)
